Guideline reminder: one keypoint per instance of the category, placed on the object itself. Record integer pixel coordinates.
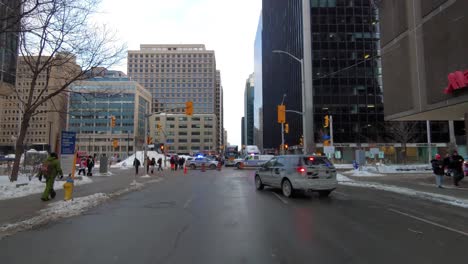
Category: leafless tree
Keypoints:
(403, 132)
(59, 45)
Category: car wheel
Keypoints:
(212, 166)
(238, 166)
(324, 193)
(192, 166)
(258, 183)
(287, 189)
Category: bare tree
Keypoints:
(403, 132)
(58, 46)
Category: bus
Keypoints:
(230, 154)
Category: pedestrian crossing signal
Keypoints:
(189, 108)
(286, 128)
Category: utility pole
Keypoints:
(331, 130)
(429, 147)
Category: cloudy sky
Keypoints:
(225, 26)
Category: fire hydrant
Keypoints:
(68, 188)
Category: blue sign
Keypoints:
(326, 137)
(68, 143)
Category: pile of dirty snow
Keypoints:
(23, 187)
(362, 173)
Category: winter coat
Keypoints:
(437, 167)
(136, 163)
(456, 163)
(51, 167)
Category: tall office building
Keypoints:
(175, 74)
(248, 110)
(219, 109)
(243, 137)
(50, 117)
(258, 88)
(345, 70)
(93, 103)
(9, 26)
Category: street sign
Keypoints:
(67, 146)
(329, 150)
(374, 151)
(381, 155)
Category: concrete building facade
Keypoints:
(92, 105)
(50, 118)
(424, 60)
(175, 74)
(184, 134)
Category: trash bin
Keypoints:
(103, 164)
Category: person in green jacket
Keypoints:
(50, 169)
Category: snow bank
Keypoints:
(446, 199)
(9, 190)
(343, 166)
(412, 168)
(342, 178)
(56, 211)
(362, 173)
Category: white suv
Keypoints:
(298, 172)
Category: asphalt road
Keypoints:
(219, 217)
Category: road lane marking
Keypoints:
(429, 222)
(281, 198)
(187, 203)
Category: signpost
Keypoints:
(67, 152)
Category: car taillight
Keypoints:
(301, 170)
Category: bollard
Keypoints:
(68, 188)
(203, 167)
(185, 169)
(219, 166)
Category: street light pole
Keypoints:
(304, 118)
(282, 130)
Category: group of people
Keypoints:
(176, 162)
(86, 162)
(150, 164)
(451, 165)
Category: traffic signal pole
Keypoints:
(331, 130)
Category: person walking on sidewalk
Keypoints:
(148, 164)
(160, 164)
(438, 169)
(90, 164)
(50, 169)
(456, 166)
(136, 164)
(153, 163)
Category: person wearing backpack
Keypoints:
(456, 166)
(90, 164)
(438, 169)
(160, 164)
(153, 163)
(50, 169)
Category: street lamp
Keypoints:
(304, 119)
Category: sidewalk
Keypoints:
(18, 209)
(419, 182)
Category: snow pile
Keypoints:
(413, 168)
(362, 173)
(446, 199)
(128, 163)
(23, 187)
(145, 176)
(98, 174)
(342, 178)
(56, 211)
(343, 166)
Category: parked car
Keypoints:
(253, 161)
(298, 172)
(197, 163)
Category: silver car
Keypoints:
(298, 172)
(197, 163)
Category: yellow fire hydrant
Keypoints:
(68, 188)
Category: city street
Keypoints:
(219, 217)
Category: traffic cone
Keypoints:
(203, 167)
(185, 169)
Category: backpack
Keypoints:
(91, 163)
(46, 168)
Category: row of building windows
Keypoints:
(168, 85)
(181, 55)
(167, 70)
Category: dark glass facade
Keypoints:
(249, 110)
(9, 17)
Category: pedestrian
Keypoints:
(438, 169)
(148, 164)
(456, 167)
(90, 165)
(136, 164)
(176, 162)
(82, 167)
(181, 162)
(153, 163)
(172, 162)
(50, 169)
(160, 164)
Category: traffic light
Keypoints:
(326, 143)
(281, 114)
(301, 141)
(326, 122)
(189, 108)
(149, 140)
(286, 128)
(161, 147)
(286, 146)
(159, 127)
(115, 143)
(112, 121)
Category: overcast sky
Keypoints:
(225, 26)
